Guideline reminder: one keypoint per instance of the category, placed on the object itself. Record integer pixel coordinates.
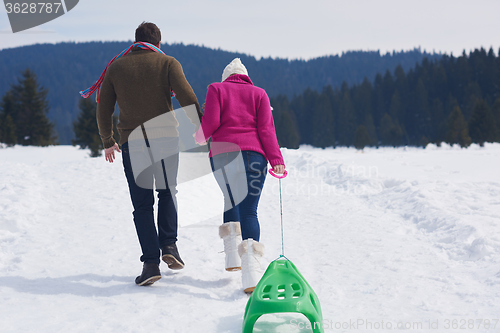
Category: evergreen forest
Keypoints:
(451, 99)
(355, 99)
(64, 69)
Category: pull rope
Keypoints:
(281, 213)
(282, 233)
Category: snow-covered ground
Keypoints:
(401, 238)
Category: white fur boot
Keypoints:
(250, 252)
(230, 232)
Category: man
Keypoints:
(141, 82)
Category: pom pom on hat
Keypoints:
(234, 67)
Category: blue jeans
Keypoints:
(151, 239)
(253, 172)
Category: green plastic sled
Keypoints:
(283, 289)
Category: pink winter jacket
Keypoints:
(239, 113)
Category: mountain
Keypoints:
(67, 68)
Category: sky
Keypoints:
(279, 28)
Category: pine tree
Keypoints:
(372, 131)
(362, 99)
(391, 132)
(458, 131)
(8, 131)
(482, 127)
(288, 135)
(346, 120)
(438, 122)
(86, 130)
(399, 111)
(323, 123)
(379, 107)
(303, 106)
(395, 106)
(495, 110)
(388, 87)
(7, 127)
(285, 123)
(28, 110)
(472, 95)
(422, 116)
(362, 138)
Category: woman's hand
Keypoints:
(279, 169)
(200, 143)
(109, 153)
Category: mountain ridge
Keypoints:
(67, 68)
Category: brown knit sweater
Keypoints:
(140, 83)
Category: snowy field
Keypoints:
(390, 239)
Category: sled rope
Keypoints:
(281, 212)
(97, 85)
(282, 234)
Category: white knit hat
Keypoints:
(234, 67)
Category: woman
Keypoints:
(238, 118)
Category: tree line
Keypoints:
(453, 99)
(66, 68)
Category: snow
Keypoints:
(401, 238)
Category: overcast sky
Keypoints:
(280, 28)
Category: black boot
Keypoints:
(171, 256)
(150, 274)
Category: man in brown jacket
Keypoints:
(141, 82)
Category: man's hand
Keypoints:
(279, 169)
(109, 153)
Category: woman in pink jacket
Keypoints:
(238, 118)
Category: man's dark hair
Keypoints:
(148, 32)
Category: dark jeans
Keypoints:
(151, 239)
(241, 185)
